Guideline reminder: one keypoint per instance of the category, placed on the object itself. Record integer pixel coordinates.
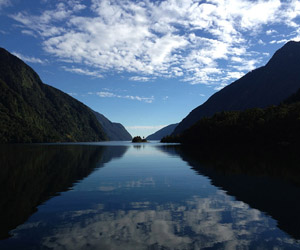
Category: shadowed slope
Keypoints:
(265, 86)
(115, 131)
(31, 111)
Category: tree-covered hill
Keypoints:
(31, 111)
(272, 126)
(260, 88)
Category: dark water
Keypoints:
(149, 196)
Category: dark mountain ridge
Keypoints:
(31, 111)
(262, 87)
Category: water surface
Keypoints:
(142, 196)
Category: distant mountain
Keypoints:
(265, 86)
(114, 131)
(31, 111)
(158, 135)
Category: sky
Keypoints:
(145, 64)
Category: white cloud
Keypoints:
(185, 39)
(29, 59)
(296, 39)
(221, 86)
(145, 224)
(236, 59)
(28, 32)
(140, 78)
(157, 127)
(255, 14)
(247, 65)
(4, 3)
(105, 94)
(271, 32)
(144, 99)
(83, 72)
(279, 41)
(235, 75)
(292, 11)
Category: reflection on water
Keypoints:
(268, 180)
(128, 197)
(31, 174)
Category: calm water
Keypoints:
(148, 196)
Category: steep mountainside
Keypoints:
(31, 111)
(114, 131)
(271, 127)
(275, 126)
(265, 86)
(158, 135)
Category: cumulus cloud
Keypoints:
(186, 39)
(129, 97)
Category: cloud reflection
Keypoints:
(214, 222)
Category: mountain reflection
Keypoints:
(31, 174)
(147, 199)
(266, 180)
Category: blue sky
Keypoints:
(145, 64)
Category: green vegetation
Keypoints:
(272, 126)
(138, 139)
(31, 111)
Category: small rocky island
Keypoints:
(138, 139)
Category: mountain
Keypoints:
(158, 135)
(114, 131)
(31, 111)
(272, 127)
(260, 128)
(293, 98)
(262, 87)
